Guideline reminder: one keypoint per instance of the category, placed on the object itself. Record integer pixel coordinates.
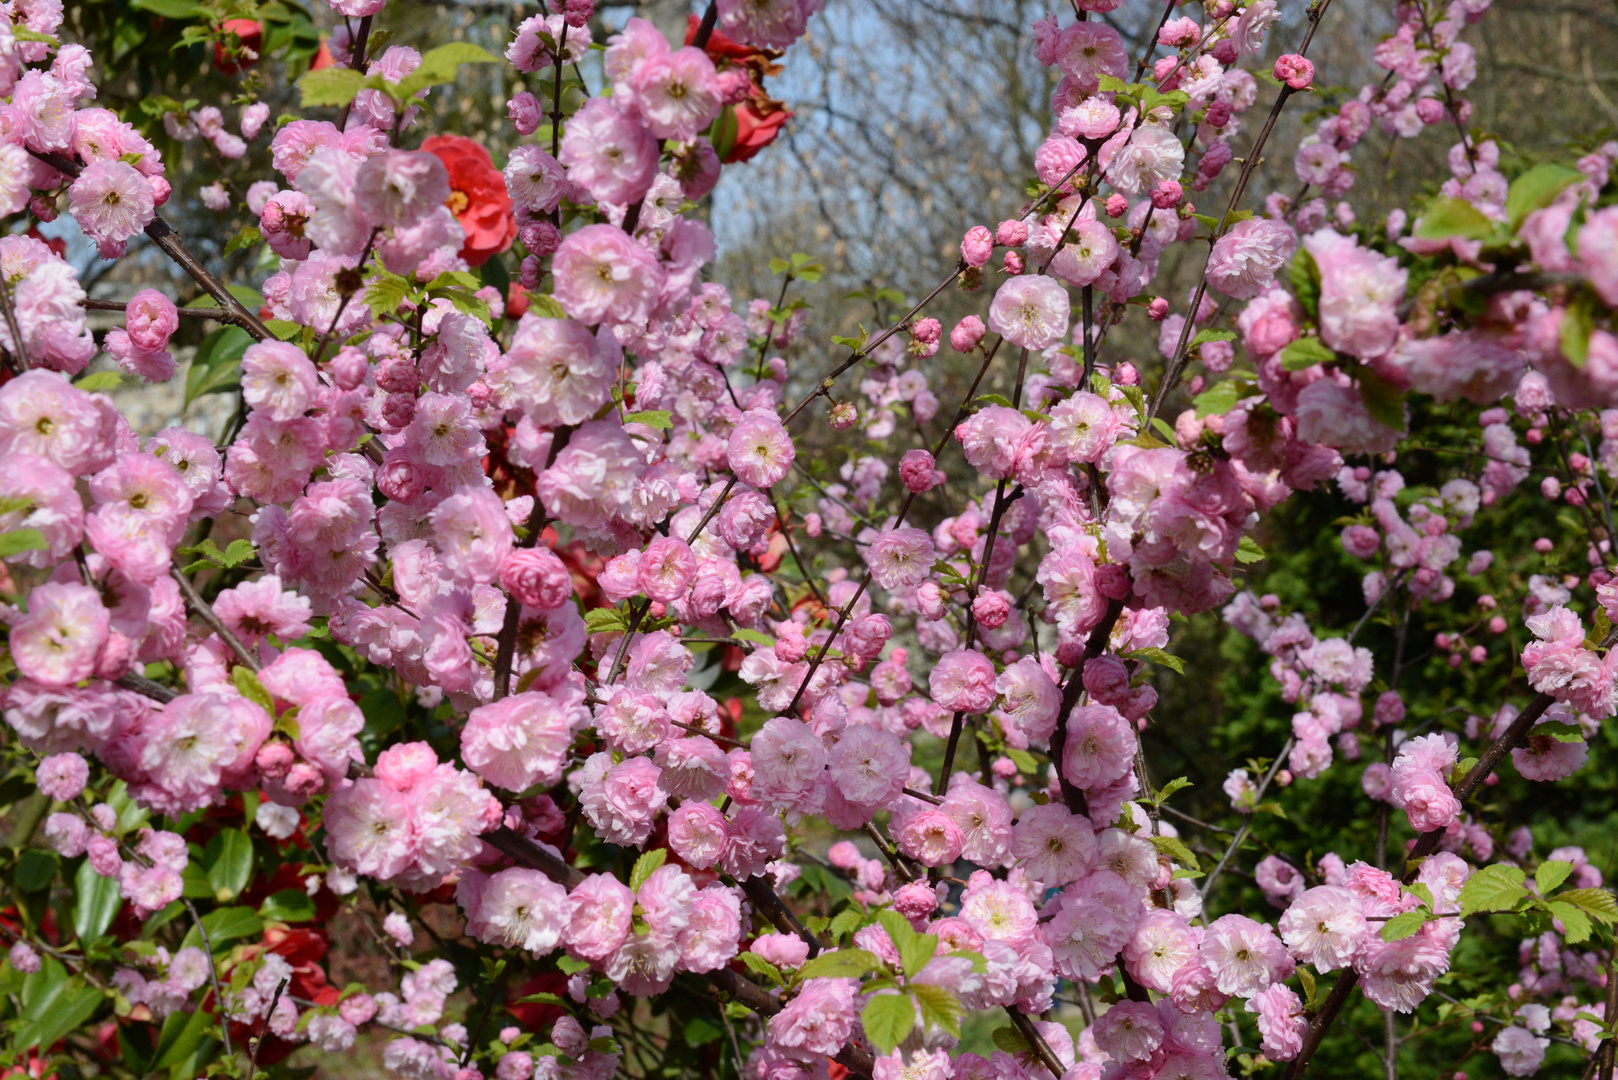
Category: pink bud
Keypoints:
(1117, 205)
(1497, 625)
(967, 333)
(1158, 309)
(977, 246)
(1543, 545)
(844, 415)
(1284, 778)
(1479, 654)
(274, 759)
(1013, 263)
(1011, 233)
(1167, 195)
(1294, 70)
(917, 471)
(991, 609)
(1126, 375)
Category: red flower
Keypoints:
(251, 35)
(755, 132)
(477, 196)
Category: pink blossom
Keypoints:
(900, 557)
(1030, 311)
(760, 450)
(608, 154)
(963, 680)
(603, 275)
(1245, 259)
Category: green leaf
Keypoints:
(248, 686)
(96, 901)
(1179, 783)
(1306, 353)
(226, 924)
(1304, 276)
(540, 999)
(171, 9)
(1402, 926)
(993, 399)
(1575, 923)
(845, 922)
(386, 292)
(646, 866)
(283, 329)
(216, 365)
(662, 419)
(1248, 551)
(1220, 398)
(288, 906)
(100, 381)
(888, 1019)
(455, 277)
(52, 1016)
(939, 1007)
(182, 1034)
(248, 236)
(228, 861)
(722, 133)
(1536, 189)
(1026, 763)
(440, 65)
(1161, 426)
(1578, 323)
(1493, 888)
(1597, 903)
(1175, 848)
(571, 965)
(1157, 656)
(18, 541)
(1205, 336)
(1384, 401)
(335, 86)
(1447, 217)
(36, 869)
(753, 636)
(22, 33)
(1308, 980)
(758, 964)
(1010, 1039)
(545, 306)
(699, 1031)
(841, 964)
(1550, 875)
(605, 621)
(1568, 733)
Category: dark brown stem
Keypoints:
(217, 314)
(203, 611)
(506, 647)
(258, 1040)
(764, 899)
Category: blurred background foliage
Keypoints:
(916, 119)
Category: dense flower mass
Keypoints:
(497, 590)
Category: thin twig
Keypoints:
(200, 608)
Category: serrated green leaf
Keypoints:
(247, 237)
(1010, 1039)
(744, 634)
(1575, 923)
(1308, 980)
(1550, 875)
(1578, 323)
(662, 419)
(22, 33)
(545, 306)
(572, 965)
(605, 621)
(1536, 189)
(761, 966)
(1157, 656)
(888, 1020)
(1248, 551)
(540, 999)
(283, 329)
(1205, 336)
(215, 367)
(1404, 925)
(1493, 888)
(1383, 400)
(993, 399)
(333, 86)
(1175, 848)
(1304, 276)
(1306, 353)
(938, 1007)
(440, 65)
(646, 866)
(1179, 783)
(841, 964)
(248, 686)
(1219, 399)
(18, 541)
(845, 922)
(386, 292)
(1597, 903)
(1026, 763)
(1446, 217)
(100, 381)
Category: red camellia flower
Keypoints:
(477, 196)
(755, 131)
(251, 34)
(759, 118)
